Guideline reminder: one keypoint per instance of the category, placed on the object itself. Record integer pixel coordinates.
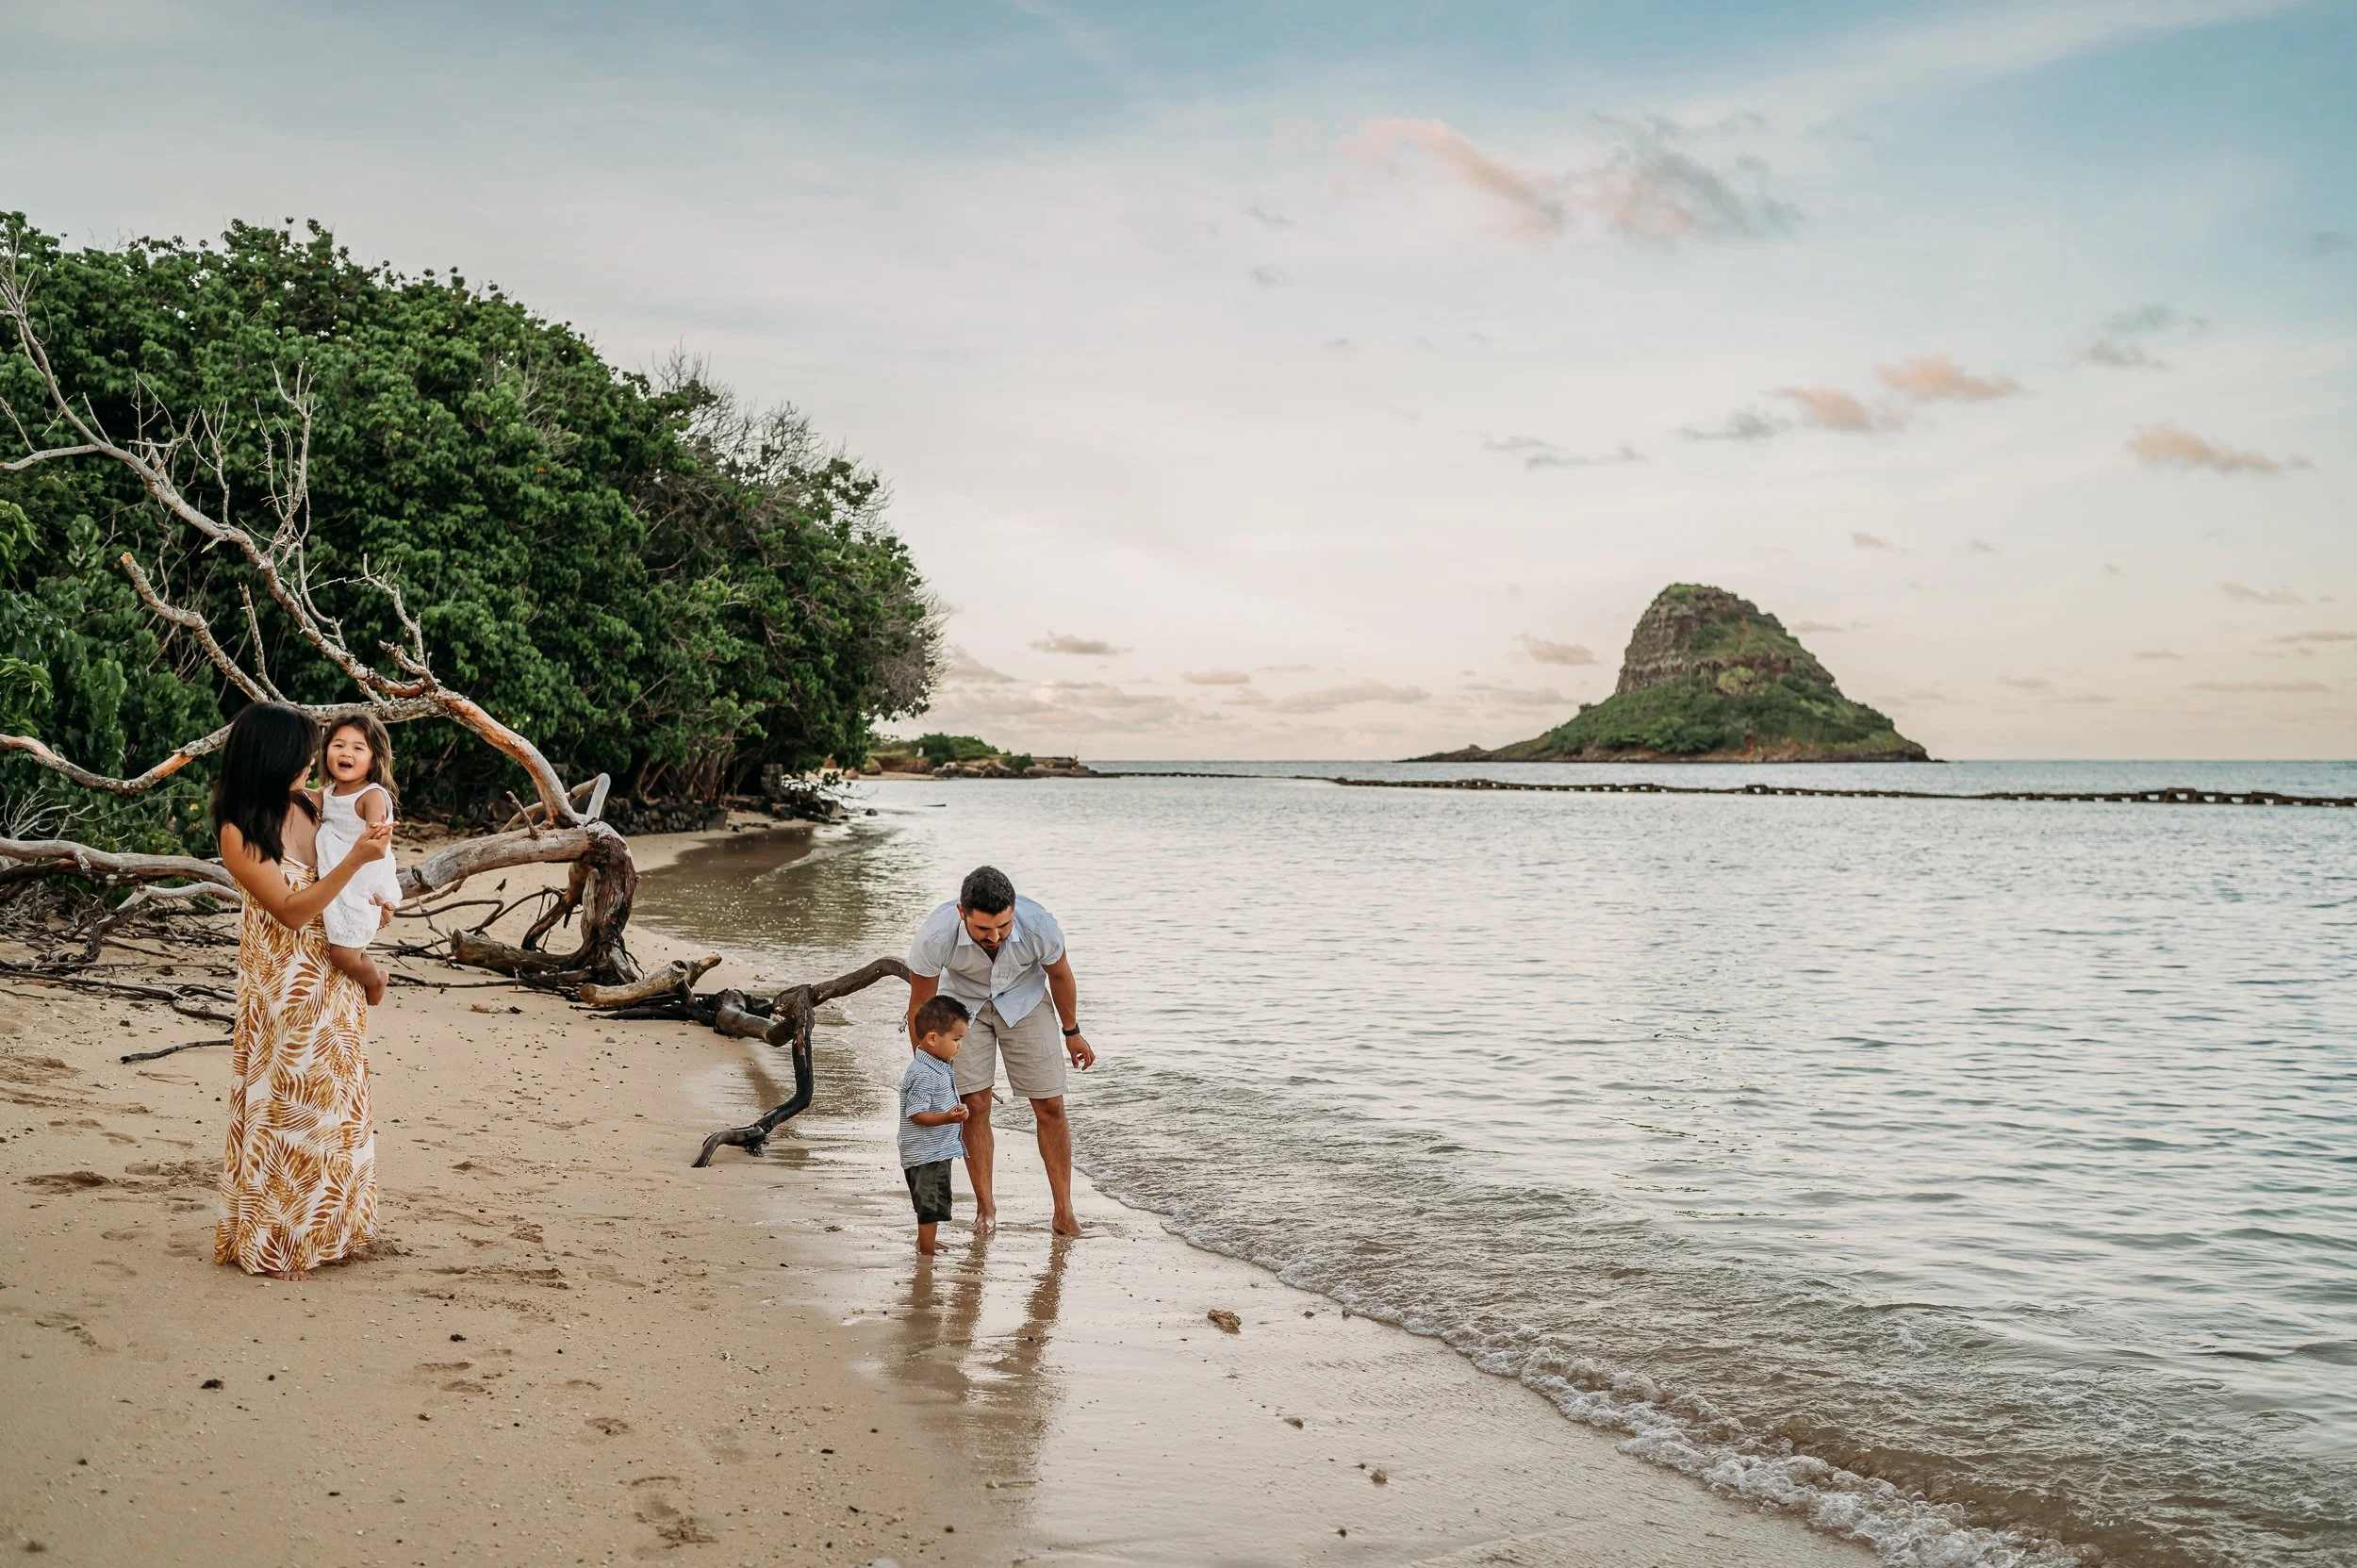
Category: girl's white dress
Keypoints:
(352, 918)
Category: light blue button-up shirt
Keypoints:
(928, 1085)
(1015, 982)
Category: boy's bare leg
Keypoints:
(925, 1242)
(979, 1146)
(356, 962)
(1055, 1152)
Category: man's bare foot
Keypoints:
(985, 1221)
(1067, 1224)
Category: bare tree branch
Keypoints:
(192, 624)
(84, 861)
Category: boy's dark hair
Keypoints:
(270, 747)
(986, 891)
(936, 1012)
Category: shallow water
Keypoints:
(1980, 1179)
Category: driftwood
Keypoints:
(562, 825)
(784, 1021)
(172, 1050)
(676, 975)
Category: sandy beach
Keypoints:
(574, 1348)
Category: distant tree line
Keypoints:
(652, 578)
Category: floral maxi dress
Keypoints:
(298, 1186)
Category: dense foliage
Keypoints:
(643, 575)
(1696, 716)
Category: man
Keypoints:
(1003, 956)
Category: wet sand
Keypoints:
(576, 1349)
(1111, 1420)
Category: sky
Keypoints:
(1342, 380)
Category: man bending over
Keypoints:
(1003, 956)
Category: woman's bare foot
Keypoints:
(1067, 1224)
(293, 1276)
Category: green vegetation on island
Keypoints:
(652, 578)
(1710, 677)
(940, 755)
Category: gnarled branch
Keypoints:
(784, 1022)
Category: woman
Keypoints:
(299, 1186)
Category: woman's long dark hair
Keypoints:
(269, 751)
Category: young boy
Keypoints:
(931, 1113)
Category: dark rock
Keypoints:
(1710, 677)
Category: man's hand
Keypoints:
(1083, 1054)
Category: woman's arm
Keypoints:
(267, 886)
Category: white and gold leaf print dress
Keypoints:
(298, 1187)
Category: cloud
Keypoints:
(1337, 345)
(1531, 209)
(2317, 636)
(1274, 220)
(1744, 424)
(2253, 596)
(1216, 678)
(1622, 453)
(2083, 697)
(1937, 379)
(966, 669)
(1816, 627)
(1536, 453)
(1271, 277)
(2329, 242)
(1057, 642)
(1868, 541)
(1976, 546)
(2257, 686)
(2144, 317)
(2156, 654)
(2161, 446)
(2025, 683)
(1831, 408)
(1540, 651)
(1330, 698)
(1520, 697)
(1647, 189)
(2120, 356)
(1246, 697)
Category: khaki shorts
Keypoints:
(1034, 1050)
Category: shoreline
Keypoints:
(572, 1347)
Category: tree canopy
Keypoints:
(639, 572)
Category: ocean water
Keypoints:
(1975, 1180)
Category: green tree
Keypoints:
(650, 579)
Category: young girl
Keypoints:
(298, 1187)
(357, 761)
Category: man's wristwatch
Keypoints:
(1070, 1033)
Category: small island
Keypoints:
(947, 757)
(1710, 677)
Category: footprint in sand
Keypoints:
(613, 1425)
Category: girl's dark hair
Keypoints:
(380, 753)
(269, 751)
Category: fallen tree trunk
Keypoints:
(783, 1021)
(64, 858)
(676, 975)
